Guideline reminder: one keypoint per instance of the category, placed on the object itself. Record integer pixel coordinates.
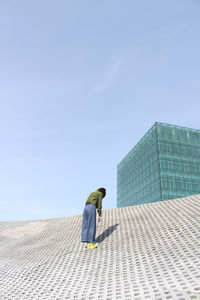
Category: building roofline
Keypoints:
(177, 126)
(155, 125)
(134, 148)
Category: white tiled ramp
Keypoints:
(150, 251)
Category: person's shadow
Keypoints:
(106, 233)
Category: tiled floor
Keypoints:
(150, 251)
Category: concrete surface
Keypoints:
(151, 251)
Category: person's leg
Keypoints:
(91, 223)
(84, 237)
(94, 225)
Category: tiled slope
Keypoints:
(150, 251)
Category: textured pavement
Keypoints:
(151, 251)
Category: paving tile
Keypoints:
(151, 251)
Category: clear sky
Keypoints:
(80, 83)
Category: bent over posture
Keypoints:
(93, 202)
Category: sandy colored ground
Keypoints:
(22, 230)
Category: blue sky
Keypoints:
(80, 83)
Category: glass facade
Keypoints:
(165, 164)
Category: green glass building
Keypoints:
(164, 164)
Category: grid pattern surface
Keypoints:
(138, 179)
(165, 164)
(179, 159)
(149, 251)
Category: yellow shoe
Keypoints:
(88, 245)
(92, 245)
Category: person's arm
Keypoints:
(99, 204)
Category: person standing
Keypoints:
(93, 203)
